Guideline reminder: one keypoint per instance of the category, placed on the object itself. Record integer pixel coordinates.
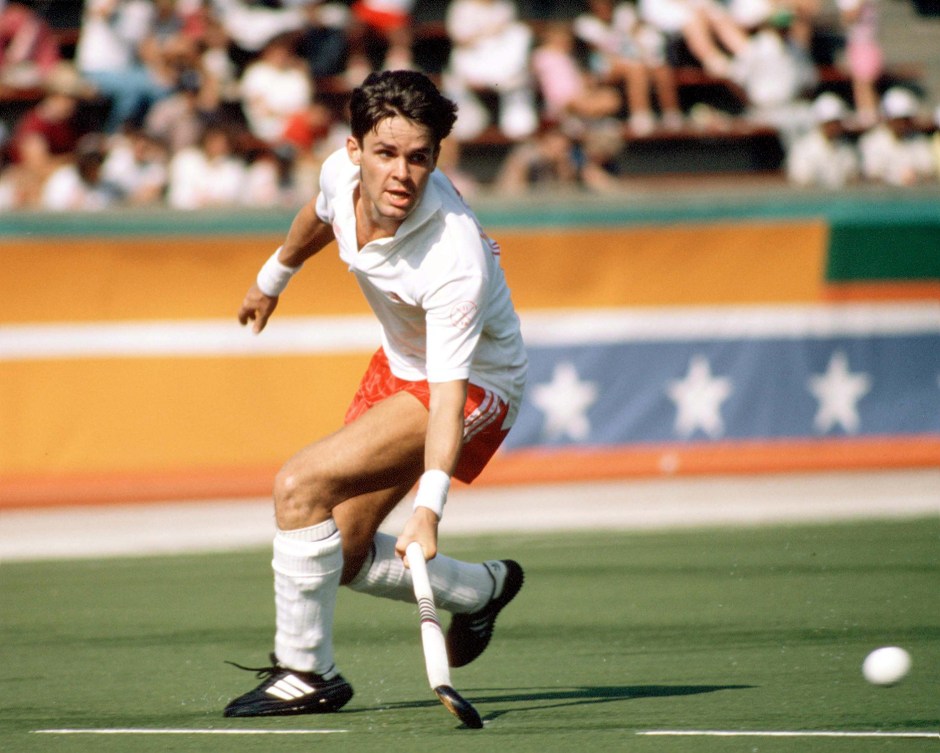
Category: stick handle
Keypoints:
(432, 637)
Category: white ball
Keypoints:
(886, 666)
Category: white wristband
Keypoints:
(274, 276)
(432, 491)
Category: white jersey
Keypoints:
(436, 287)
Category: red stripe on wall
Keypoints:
(531, 466)
(891, 290)
(519, 467)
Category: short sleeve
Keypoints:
(454, 316)
(329, 177)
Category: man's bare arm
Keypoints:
(443, 442)
(308, 234)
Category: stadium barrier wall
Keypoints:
(696, 340)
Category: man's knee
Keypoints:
(300, 497)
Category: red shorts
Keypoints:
(484, 413)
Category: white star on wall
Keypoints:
(565, 401)
(698, 397)
(838, 392)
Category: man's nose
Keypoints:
(400, 168)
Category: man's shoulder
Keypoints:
(337, 169)
(337, 161)
(452, 204)
(460, 236)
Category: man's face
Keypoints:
(395, 162)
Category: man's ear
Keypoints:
(354, 150)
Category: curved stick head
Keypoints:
(459, 706)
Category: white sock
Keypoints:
(458, 586)
(308, 564)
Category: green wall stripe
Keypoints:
(583, 211)
(897, 251)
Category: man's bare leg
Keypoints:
(379, 451)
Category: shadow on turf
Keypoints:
(545, 698)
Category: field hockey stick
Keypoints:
(432, 640)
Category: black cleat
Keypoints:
(469, 634)
(285, 692)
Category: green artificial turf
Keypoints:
(614, 634)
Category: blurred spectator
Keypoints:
(54, 117)
(170, 48)
(750, 15)
(583, 108)
(251, 24)
(136, 165)
(207, 175)
(633, 54)
(21, 182)
(42, 140)
(216, 67)
(306, 128)
(79, 185)
(568, 91)
(596, 153)
(864, 56)
(379, 37)
(491, 52)
(179, 119)
(265, 183)
(29, 50)
(824, 156)
(806, 19)
(545, 160)
(705, 26)
(275, 87)
(448, 162)
(108, 56)
(935, 140)
(324, 41)
(776, 74)
(309, 135)
(896, 152)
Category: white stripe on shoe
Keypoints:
(289, 688)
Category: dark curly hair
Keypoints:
(410, 94)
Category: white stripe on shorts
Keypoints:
(484, 415)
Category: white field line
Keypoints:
(182, 731)
(784, 733)
(344, 334)
(627, 505)
(647, 733)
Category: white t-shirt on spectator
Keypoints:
(197, 182)
(270, 96)
(65, 191)
(109, 43)
(814, 160)
(124, 171)
(895, 161)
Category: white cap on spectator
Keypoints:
(899, 103)
(828, 107)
